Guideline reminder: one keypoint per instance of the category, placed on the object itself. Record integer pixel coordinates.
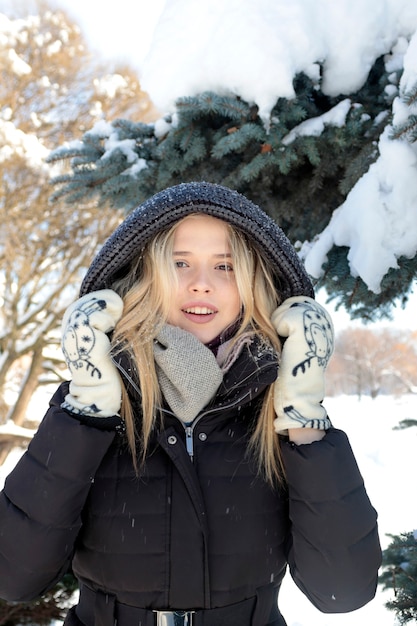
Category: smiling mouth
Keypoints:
(199, 310)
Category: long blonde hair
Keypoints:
(146, 290)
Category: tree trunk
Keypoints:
(29, 385)
(10, 441)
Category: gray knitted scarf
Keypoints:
(187, 371)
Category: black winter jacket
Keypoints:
(189, 533)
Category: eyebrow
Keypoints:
(223, 255)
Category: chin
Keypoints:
(201, 336)
(204, 338)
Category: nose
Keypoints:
(200, 282)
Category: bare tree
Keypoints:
(51, 90)
(371, 362)
(42, 253)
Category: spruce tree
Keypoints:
(53, 605)
(399, 567)
(399, 574)
(408, 129)
(299, 177)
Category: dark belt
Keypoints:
(96, 608)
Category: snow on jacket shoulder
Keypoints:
(335, 552)
(41, 504)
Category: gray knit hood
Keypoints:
(165, 208)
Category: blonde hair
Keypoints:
(146, 290)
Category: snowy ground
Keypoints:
(388, 461)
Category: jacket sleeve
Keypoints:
(42, 502)
(334, 551)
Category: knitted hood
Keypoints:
(165, 208)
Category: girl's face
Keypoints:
(206, 300)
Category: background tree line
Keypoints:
(51, 90)
(370, 362)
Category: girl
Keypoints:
(190, 458)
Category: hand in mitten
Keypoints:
(95, 388)
(307, 331)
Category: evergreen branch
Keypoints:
(236, 141)
(407, 423)
(410, 98)
(193, 146)
(308, 146)
(406, 130)
(285, 159)
(357, 167)
(134, 130)
(222, 139)
(74, 150)
(210, 103)
(252, 170)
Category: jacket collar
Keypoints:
(252, 371)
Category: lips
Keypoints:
(199, 313)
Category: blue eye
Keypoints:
(226, 267)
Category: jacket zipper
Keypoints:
(189, 428)
(189, 441)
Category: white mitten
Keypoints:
(309, 341)
(95, 388)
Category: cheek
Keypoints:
(234, 298)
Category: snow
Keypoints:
(214, 45)
(10, 428)
(315, 126)
(388, 463)
(18, 65)
(378, 220)
(109, 85)
(254, 50)
(14, 141)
